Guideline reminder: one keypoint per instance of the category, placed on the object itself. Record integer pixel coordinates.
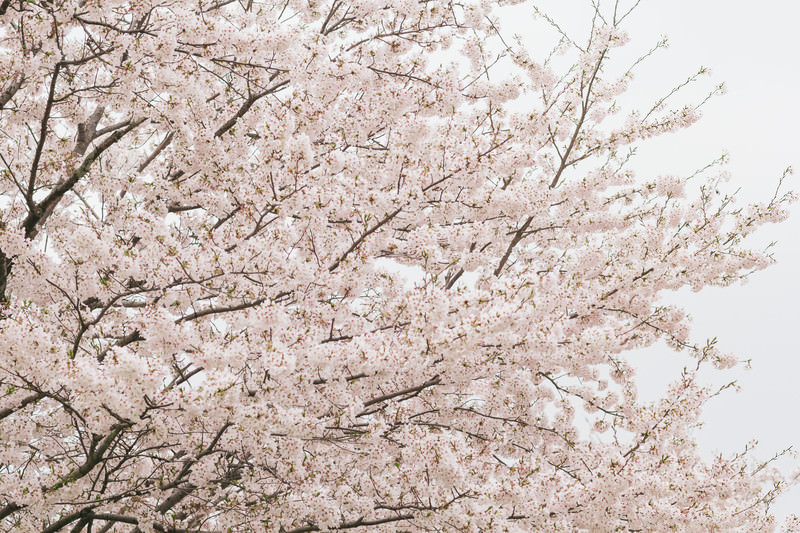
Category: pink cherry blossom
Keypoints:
(330, 265)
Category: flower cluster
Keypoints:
(326, 265)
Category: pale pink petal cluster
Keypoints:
(349, 265)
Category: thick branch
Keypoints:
(518, 235)
(66, 520)
(361, 239)
(5, 271)
(91, 461)
(87, 131)
(412, 391)
(26, 401)
(42, 135)
(358, 523)
(218, 310)
(181, 492)
(158, 150)
(246, 107)
(41, 211)
(11, 90)
(9, 509)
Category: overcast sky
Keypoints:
(753, 48)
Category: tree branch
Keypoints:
(246, 107)
(361, 239)
(12, 89)
(26, 401)
(40, 212)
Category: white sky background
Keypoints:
(753, 48)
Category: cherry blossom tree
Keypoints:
(348, 264)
